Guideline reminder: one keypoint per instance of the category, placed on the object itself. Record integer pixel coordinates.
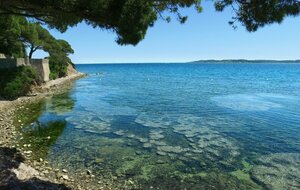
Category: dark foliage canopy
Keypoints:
(130, 19)
(257, 13)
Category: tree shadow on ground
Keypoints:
(11, 158)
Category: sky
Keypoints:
(205, 35)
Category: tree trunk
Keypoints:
(31, 52)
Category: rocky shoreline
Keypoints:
(18, 170)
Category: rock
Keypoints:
(1, 119)
(88, 172)
(278, 171)
(131, 136)
(161, 153)
(147, 145)
(41, 160)
(138, 152)
(143, 140)
(130, 182)
(120, 132)
(19, 121)
(114, 177)
(65, 177)
(160, 162)
(171, 149)
(156, 135)
(98, 160)
(25, 172)
(48, 137)
(65, 171)
(35, 163)
(59, 175)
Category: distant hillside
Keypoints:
(245, 61)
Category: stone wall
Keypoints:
(41, 66)
(11, 63)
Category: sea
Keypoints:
(175, 126)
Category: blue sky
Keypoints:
(204, 36)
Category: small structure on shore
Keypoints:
(40, 65)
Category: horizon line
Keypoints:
(194, 61)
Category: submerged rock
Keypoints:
(160, 153)
(143, 140)
(278, 171)
(156, 135)
(119, 133)
(147, 145)
(154, 121)
(172, 149)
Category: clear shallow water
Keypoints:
(177, 126)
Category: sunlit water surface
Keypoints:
(177, 126)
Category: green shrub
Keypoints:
(58, 66)
(16, 82)
(53, 75)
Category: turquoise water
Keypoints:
(177, 126)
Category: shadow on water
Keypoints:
(11, 158)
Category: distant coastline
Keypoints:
(232, 61)
(209, 61)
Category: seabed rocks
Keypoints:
(203, 141)
(200, 140)
(278, 171)
(162, 151)
(194, 141)
(89, 122)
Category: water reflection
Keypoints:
(42, 135)
(43, 129)
(61, 104)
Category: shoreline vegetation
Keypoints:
(18, 168)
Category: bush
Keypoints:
(16, 82)
(58, 66)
